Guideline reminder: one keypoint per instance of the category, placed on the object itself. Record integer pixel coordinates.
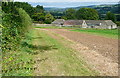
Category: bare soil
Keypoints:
(106, 46)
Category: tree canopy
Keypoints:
(39, 9)
(48, 18)
(87, 14)
(9, 7)
(70, 13)
(110, 16)
(39, 17)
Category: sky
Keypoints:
(68, 0)
(68, 3)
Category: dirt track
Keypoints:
(105, 46)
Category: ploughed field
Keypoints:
(106, 46)
(98, 51)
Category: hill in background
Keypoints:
(102, 9)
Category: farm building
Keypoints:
(58, 22)
(101, 24)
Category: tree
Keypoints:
(9, 7)
(87, 14)
(39, 9)
(70, 13)
(119, 7)
(26, 6)
(110, 16)
(64, 17)
(48, 18)
(39, 14)
(39, 17)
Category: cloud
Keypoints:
(67, 0)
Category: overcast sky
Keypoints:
(68, 3)
(67, 0)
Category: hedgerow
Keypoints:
(15, 24)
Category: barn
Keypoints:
(100, 24)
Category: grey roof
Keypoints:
(98, 22)
(58, 21)
(80, 22)
(109, 22)
(73, 22)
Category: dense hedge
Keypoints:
(15, 24)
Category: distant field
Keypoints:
(54, 27)
(102, 32)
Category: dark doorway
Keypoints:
(92, 26)
(111, 26)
